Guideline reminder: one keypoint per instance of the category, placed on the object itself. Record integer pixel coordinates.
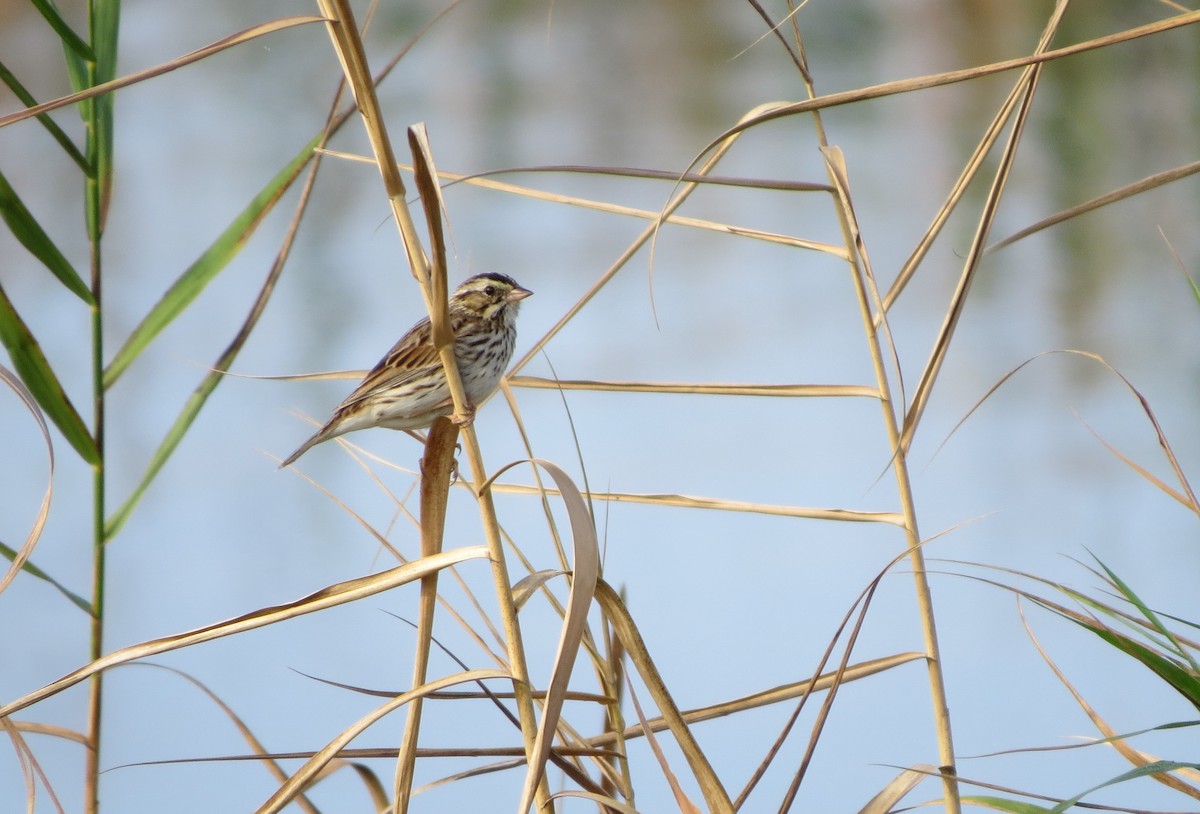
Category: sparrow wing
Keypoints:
(411, 356)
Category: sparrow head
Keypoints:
(489, 294)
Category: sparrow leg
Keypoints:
(466, 417)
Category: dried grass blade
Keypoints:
(658, 175)
(872, 314)
(251, 33)
(256, 746)
(1119, 194)
(708, 389)
(309, 772)
(337, 594)
(629, 211)
(969, 171)
(30, 767)
(436, 467)
(430, 192)
(715, 796)
(603, 802)
(349, 48)
(344, 34)
(991, 134)
(685, 804)
(958, 301)
(647, 235)
(1150, 477)
(645, 214)
(435, 286)
(765, 698)
(779, 110)
(20, 557)
(721, 504)
(529, 585)
(584, 576)
(868, 286)
(894, 792)
(1189, 498)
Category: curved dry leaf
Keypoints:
(39, 522)
(72, 735)
(584, 577)
(528, 585)
(894, 791)
(1187, 497)
(715, 796)
(331, 596)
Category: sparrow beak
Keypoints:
(518, 294)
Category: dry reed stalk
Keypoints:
(349, 47)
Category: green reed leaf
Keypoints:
(35, 371)
(29, 568)
(98, 113)
(166, 447)
(56, 132)
(198, 275)
(1149, 770)
(70, 39)
(33, 237)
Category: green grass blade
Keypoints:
(166, 447)
(201, 273)
(33, 571)
(56, 132)
(38, 376)
(98, 114)
(1185, 681)
(29, 232)
(1157, 767)
(1195, 287)
(1150, 617)
(69, 38)
(209, 383)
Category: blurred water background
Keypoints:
(729, 603)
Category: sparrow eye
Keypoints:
(490, 291)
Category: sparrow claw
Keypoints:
(466, 417)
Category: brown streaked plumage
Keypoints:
(407, 390)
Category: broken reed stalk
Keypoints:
(344, 33)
